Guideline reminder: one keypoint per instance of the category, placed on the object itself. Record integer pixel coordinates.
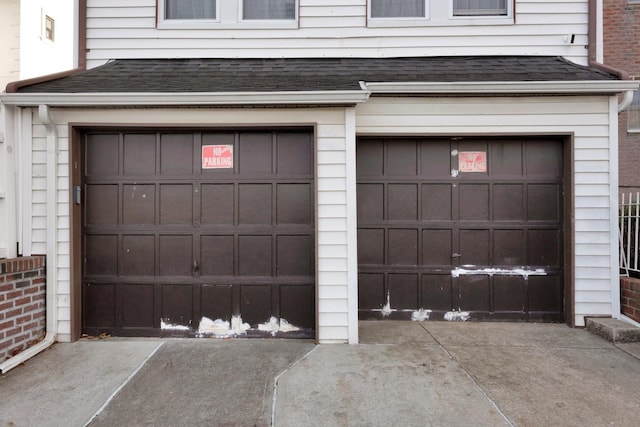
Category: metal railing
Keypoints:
(629, 223)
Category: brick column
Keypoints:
(630, 298)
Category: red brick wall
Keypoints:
(22, 304)
(621, 23)
(630, 289)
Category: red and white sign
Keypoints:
(217, 157)
(472, 161)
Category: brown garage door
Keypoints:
(460, 228)
(184, 231)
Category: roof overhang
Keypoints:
(345, 97)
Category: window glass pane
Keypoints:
(190, 9)
(634, 113)
(479, 7)
(269, 9)
(398, 8)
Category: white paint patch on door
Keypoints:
(222, 328)
(420, 315)
(456, 316)
(274, 326)
(166, 326)
(470, 270)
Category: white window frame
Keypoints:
(440, 13)
(228, 16)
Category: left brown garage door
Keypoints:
(181, 226)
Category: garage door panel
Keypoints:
(217, 255)
(436, 202)
(475, 293)
(296, 305)
(138, 255)
(139, 154)
(177, 304)
(295, 154)
(544, 293)
(508, 294)
(403, 247)
(216, 301)
(403, 202)
(369, 161)
(217, 204)
(543, 202)
(371, 293)
(254, 255)
(255, 201)
(290, 210)
(509, 247)
(102, 201)
(139, 204)
(138, 305)
(102, 255)
(437, 292)
(104, 156)
(507, 202)
(176, 204)
(176, 255)
(506, 159)
(294, 256)
(370, 202)
(255, 304)
(435, 159)
(474, 202)
(255, 153)
(401, 159)
(371, 246)
(543, 159)
(403, 291)
(176, 154)
(474, 247)
(544, 247)
(437, 247)
(98, 305)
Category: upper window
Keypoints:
(49, 28)
(480, 8)
(398, 9)
(227, 13)
(633, 118)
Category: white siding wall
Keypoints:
(331, 182)
(587, 118)
(336, 28)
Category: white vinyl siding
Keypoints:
(587, 119)
(336, 28)
(332, 212)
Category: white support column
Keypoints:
(352, 224)
(613, 202)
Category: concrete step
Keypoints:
(614, 330)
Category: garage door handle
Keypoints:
(196, 267)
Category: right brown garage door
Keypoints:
(460, 228)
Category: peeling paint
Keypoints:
(386, 309)
(420, 315)
(166, 326)
(222, 328)
(469, 270)
(274, 326)
(456, 316)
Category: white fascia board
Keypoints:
(185, 98)
(535, 87)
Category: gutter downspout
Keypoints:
(52, 243)
(593, 55)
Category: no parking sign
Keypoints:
(217, 157)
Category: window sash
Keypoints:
(190, 9)
(480, 7)
(398, 9)
(269, 9)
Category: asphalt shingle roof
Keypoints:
(308, 74)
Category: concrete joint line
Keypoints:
(484, 393)
(275, 383)
(124, 383)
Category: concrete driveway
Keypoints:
(402, 373)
